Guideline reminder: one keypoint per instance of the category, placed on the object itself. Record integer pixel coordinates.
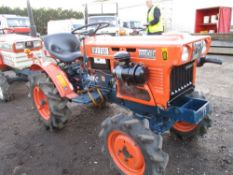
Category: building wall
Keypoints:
(130, 10)
(184, 12)
(167, 10)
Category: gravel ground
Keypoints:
(26, 148)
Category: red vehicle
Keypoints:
(15, 24)
(154, 77)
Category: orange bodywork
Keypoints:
(58, 77)
(168, 52)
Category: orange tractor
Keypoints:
(153, 76)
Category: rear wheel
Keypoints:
(132, 148)
(5, 90)
(51, 109)
(188, 131)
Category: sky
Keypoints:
(67, 4)
(78, 6)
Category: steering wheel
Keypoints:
(99, 26)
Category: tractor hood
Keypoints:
(166, 40)
(180, 48)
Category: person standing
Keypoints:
(154, 20)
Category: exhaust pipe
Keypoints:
(31, 18)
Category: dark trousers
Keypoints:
(156, 33)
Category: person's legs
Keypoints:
(156, 33)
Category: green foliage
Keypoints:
(43, 15)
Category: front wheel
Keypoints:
(131, 147)
(188, 131)
(5, 90)
(51, 109)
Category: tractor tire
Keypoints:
(50, 108)
(5, 90)
(131, 147)
(187, 131)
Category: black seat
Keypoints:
(64, 46)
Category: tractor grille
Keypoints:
(181, 80)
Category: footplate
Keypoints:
(94, 96)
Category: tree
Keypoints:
(43, 15)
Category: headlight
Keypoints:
(185, 54)
(37, 44)
(20, 46)
(204, 47)
(199, 48)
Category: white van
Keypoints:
(63, 26)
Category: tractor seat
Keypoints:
(63, 46)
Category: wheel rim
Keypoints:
(41, 103)
(184, 126)
(126, 153)
(1, 94)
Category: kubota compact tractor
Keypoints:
(153, 76)
(12, 57)
(13, 43)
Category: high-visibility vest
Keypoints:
(157, 27)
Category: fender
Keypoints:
(2, 65)
(58, 77)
